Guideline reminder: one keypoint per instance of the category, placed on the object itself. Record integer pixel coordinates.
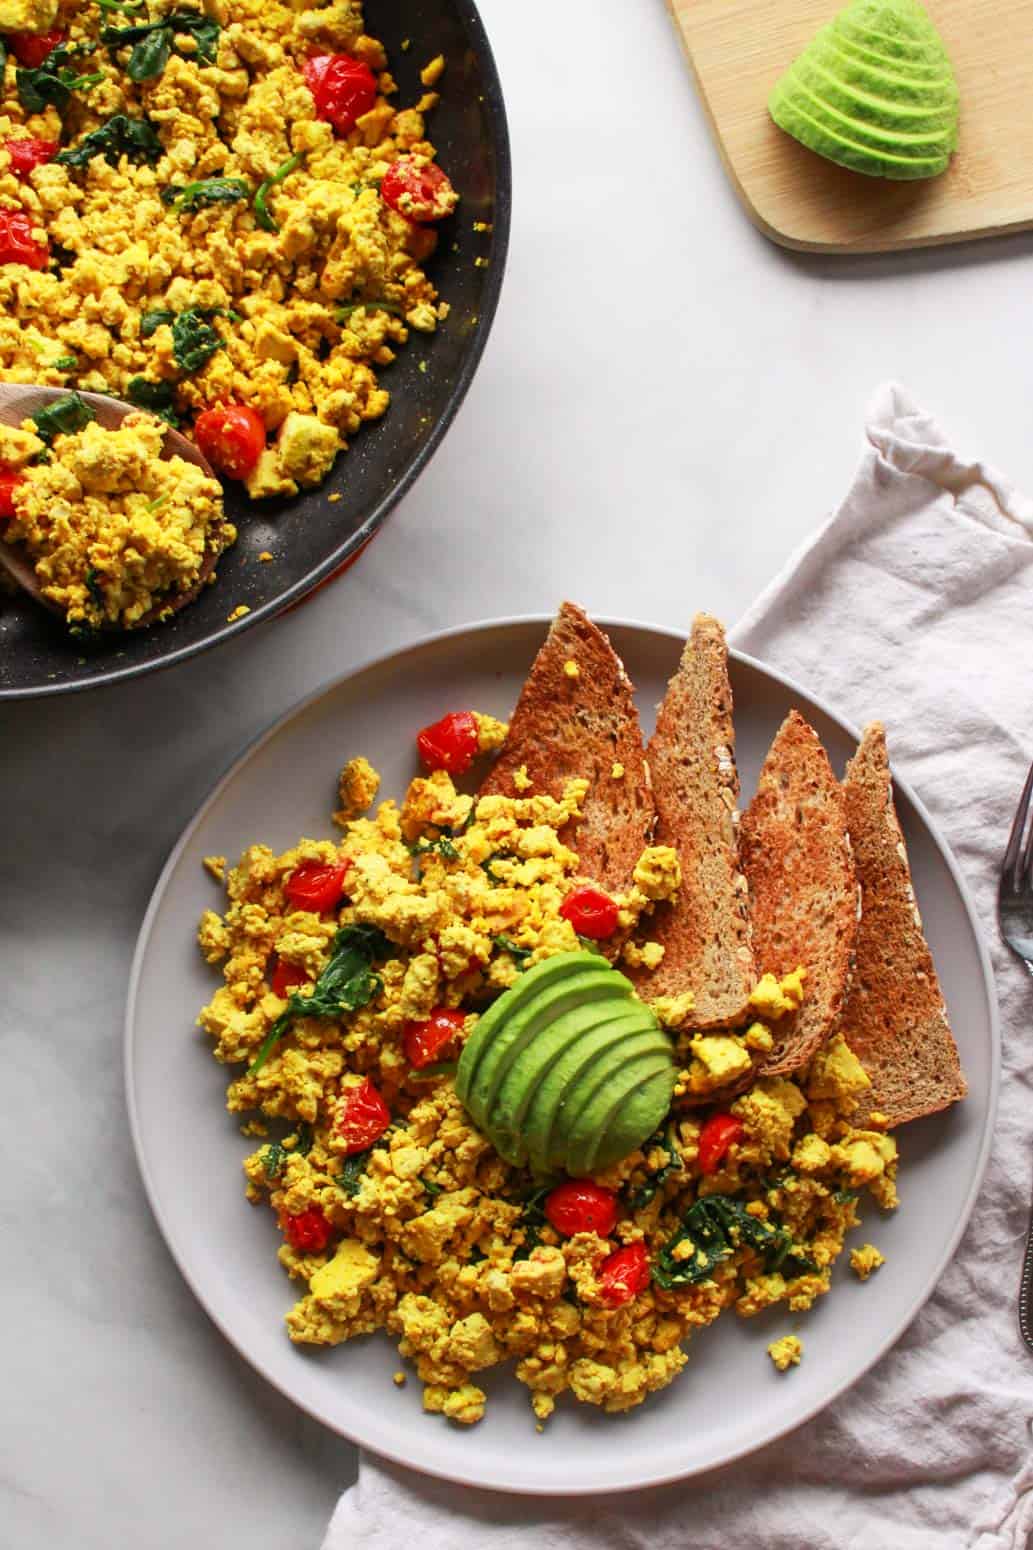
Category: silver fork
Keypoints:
(1015, 913)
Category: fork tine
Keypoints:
(1013, 867)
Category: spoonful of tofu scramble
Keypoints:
(108, 517)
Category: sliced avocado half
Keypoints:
(874, 92)
(589, 1101)
(612, 1125)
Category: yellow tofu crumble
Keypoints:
(786, 1353)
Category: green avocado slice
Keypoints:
(513, 1107)
(527, 1022)
(644, 1112)
(605, 1045)
(594, 1090)
(856, 131)
(916, 117)
(886, 81)
(523, 989)
(614, 1117)
(849, 153)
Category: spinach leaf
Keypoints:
(152, 42)
(532, 1220)
(158, 397)
(263, 215)
(713, 1228)
(344, 313)
(62, 417)
(518, 954)
(346, 983)
(673, 1165)
(188, 197)
(432, 1072)
(842, 1196)
(274, 1158)
(134, 138)
(153, 320)
(354, 1166)
(194, 341)
(433, 1190)
(3, 58)
(91, 581)
(52, 83)
(590, 945)
(442, 846)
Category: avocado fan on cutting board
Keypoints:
(567, 1070)
(874, 91)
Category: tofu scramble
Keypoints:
(220, 214)
(116, 532)
(397, 1214)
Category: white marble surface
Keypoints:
(666, 406)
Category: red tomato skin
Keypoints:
(316, 885)
(32, 48)
(362, 1117)
(17, 244)
(420, 193)
(450, 744)
(232, 438)
(424, 1041)
(591, 912)
(308, 1232)
(342, 88)
(720, 1132)
(579, 1206)
(10, 479)
(286, 977)
(624, 1274)
(27, 154)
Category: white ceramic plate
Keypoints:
(729, 1400)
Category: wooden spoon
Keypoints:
(23, 401)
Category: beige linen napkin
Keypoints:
(914, 602)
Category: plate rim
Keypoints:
(351, 548)
(230, 772)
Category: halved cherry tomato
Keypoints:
(308, 1231)
(27, 153)
(32, 48)
(317, 885)
(418, 189)
(17, 244)
(10, 479)
(342, 88)
(580, 1206)
(425, 1041)
(362, 1118)
(720, 1132)
(285, 977)
(450, 744)
(591, 912)
(232, 438)
(624, 1274)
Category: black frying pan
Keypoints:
(310, 536)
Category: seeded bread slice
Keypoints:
(691, 755)
(569, 725)
(803, 887)
(894, 1018)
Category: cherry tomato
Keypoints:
(316, 885)
(32, 48)
(591, 912)
(342, 88)
(418, 189)
(720, 1132)
(579, 1206)
(362, 1117)
(308, 1232)
(17, 244)
(450, 744)
(285, 977)
(425, 1041)
(27, 154)
(624, 1274)
(232, 438)
(10, 479)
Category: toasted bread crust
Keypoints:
(803, 887)
(568, 727)
(894, 1018)
(691, 757)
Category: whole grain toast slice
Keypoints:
(705, 934)
(583, 724)
(894, 1018)
(803, 887)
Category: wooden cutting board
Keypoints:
(739, 48)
